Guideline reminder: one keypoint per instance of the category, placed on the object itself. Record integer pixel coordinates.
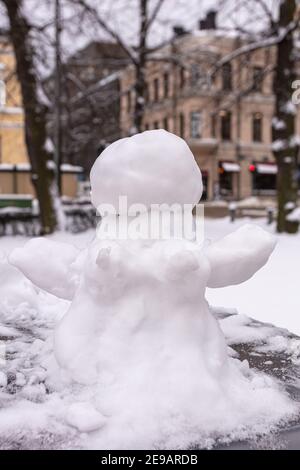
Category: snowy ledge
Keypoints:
(65, 167)
(11, 110)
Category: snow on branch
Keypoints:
(254, 46)
(104, 25)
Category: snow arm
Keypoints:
(52, 266)
(236, 257)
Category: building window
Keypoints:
(2, 93)
(155, 90)
(263, 180)
(166, 124)
(257, 127)
(181, 77)
(155, 125)
(146, 126)
(195, 74)
(181, 125)
(128, 98)
(196, 124)
(166, 85)
(225, 125)
(227, 77)
(257, 79)
(225, 182)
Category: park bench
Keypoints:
(80, 215)
(19, 217)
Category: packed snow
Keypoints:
(84, 417)
(272, 295)
(46, 416)
(62, 277)
(128, 353)
(294, 216)
(139, 167)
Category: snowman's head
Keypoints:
(153, 167)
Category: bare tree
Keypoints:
(283, 126)
(139, 54)
(43, 174)
(280, 35)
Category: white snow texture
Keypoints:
(154, 167)
(139, 334)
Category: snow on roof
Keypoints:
(11, 110)
(65, 167)
(6, 166)
(218, 33)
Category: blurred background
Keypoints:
(75, 75)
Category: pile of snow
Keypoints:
(294, 216)
(140, 336)
(140, 359)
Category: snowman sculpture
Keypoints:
(139, 329)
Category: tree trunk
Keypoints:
(283, 125)
(43, 174)
(140, 82)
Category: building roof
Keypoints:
(99, 50)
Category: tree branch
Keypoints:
(102, 23)
(154, 13)
(261, 44)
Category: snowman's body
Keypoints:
(138, 293)
(139, 328)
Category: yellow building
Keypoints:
(15, 172)
(12, 142)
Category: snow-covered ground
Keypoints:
(272, 295)
(39, 407)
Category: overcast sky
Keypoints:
(122, 17)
